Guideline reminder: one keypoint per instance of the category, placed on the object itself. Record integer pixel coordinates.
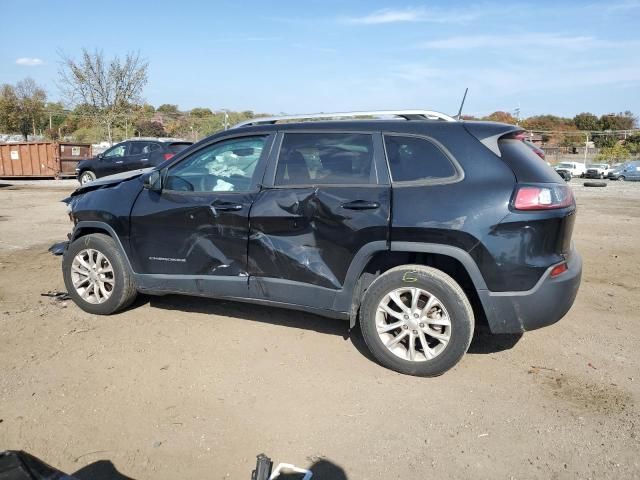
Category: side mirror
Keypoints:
(153, 181)
(100, 156)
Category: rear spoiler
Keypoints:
(488, 133)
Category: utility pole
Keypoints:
(50, 123)
(586, 147)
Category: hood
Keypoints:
(111, 180)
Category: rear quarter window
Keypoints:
(416, 159)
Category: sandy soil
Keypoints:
(195, 388)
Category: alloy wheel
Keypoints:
(92, 276)
(413, 324)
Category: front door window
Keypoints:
(227, 166)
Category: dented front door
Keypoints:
(198, 225)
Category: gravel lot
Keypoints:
(194, 388)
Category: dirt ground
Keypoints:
(194, 388)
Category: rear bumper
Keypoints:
(546, 303)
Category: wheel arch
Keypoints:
(453, 261)
(84, 228)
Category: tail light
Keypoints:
(538, 197)
(558, 269)
(167, 156)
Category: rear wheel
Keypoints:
(87, 176)
(621, 178)
(416, 320)
(97, 276)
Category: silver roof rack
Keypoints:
(406, 114)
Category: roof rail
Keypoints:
(406, 114)
(155, 139)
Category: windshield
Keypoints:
(565, 165)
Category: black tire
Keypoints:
(621, 178)
(595, 184)
(86, 177)
(124, 290)
(452, 298)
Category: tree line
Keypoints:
(102, 99)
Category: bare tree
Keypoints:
(107, 87)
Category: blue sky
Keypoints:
(303, 56)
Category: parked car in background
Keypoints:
(576, 169)
(629, 171)
(129, 155)
(597, 170)
(327, 217)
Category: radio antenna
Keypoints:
(462, 104)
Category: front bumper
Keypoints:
(593, 175)
(546, 303)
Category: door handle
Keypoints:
(361, 205)
(119, 161)
(144, 159)
(226, 206)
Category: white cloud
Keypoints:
(546, 40)
(29, 61)
(413, 14)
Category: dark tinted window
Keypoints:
(177, 147)
(325, 159)
(137, 148)
(413, 158)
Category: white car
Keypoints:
(598, 170)
(576, 169)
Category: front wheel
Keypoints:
(621, 178)
(97, 276)
(416, 320)
(87, 176)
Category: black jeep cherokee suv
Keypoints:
(416, 227)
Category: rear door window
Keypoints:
(414, 159)
(326, 159)
(138, 148)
